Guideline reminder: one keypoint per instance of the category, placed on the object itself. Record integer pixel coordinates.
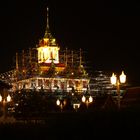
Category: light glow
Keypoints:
(8, 98)
(113, 79)
(0, 98)
(83, 99)
(122, 77)
(47, 53)
(58, 102)
(76, 106)
(90, 99)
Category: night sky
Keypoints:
(108, 32)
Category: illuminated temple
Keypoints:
(48, 67)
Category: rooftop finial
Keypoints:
(47, 32)
(47, 18)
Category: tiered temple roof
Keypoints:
(46, 67)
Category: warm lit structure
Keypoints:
(45, 67)
(117, 81)
(48, 49)
(87, 100)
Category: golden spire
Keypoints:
(72, 58)
(47, 31)
(80, 58)
(16, 61)
(66, 61)
(47, 18)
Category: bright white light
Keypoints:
(113, 79)
(83, 99)
(76, 106)
(90, 99)
(8, 98)
(58, 102)
(122, 77)
(0, 98)
(46, 53)
(84, 89)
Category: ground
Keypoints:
(77, 125)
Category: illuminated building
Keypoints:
(47, 67)
(100, 83)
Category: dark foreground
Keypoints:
(77, 125)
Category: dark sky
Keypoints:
(109, 32)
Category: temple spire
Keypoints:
(47, 18)
(47, 31)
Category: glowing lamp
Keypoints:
(122, 77)
(58, 102)
(113, 79)
(90, 99)
(8, 98)
(83, 99)
(0, 98)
